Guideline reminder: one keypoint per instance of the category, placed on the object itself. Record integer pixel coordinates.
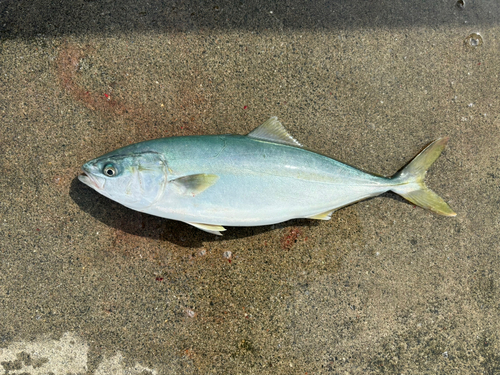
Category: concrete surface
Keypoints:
(90, 287)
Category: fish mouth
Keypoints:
(89, 180)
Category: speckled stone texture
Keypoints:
(383, 287)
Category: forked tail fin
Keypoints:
(409, 182)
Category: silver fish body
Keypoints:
(263, 178)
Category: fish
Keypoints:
(262, 178)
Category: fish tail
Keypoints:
(409, 182)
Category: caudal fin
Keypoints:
(409, 182)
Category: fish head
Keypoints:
(136, 180)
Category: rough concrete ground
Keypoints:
(88, 286)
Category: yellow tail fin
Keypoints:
(409, 182)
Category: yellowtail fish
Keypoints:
(262, 178)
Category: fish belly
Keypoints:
(250, 201)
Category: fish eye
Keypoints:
(109, 170)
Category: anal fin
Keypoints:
(322, 216)
(210, 228)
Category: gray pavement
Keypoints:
(90, 287)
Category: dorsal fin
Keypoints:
(273, 131)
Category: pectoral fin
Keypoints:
(214, 229)
(194, 184)
(322, 216)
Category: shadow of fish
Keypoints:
(262, 178)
